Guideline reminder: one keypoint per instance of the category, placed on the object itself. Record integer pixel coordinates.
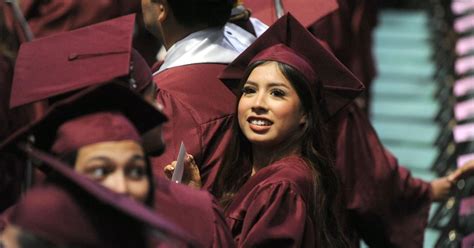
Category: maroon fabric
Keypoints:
(468, 241)
(202, 109)
(306, 11)
(271, 208)
(54, 215)
(354, 21)
(81, 58)
(284, 54)
(194, 211)
(55, 16)
(11, 166)
(340, 86)
(335, 30)
(87, 102)
(385, 205)
(91, 129)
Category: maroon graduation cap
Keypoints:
(70, 61)
(288, 41)
(67, 215)
(100, 113)
(306, 11)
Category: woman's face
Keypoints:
(269, 110)
(117, 165)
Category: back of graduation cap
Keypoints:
(306, 11)
(100, 113)
(287, 41)
(73, 60)
(97, 114)
(68, 215)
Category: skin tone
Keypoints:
(117, 165)
(269, 113)
(9, 237)
(441, 188)
(160, 21)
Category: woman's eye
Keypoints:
(248, 90)
(278, 93)
(136, 172)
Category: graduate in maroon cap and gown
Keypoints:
(109, 42)
(199, 44)
(277, 182)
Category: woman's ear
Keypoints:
(303, 119)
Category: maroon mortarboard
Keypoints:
(81, 212)
(101, 113)
(70, 61)
(306, 11)
(287, 41)
(61, 217)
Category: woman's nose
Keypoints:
(259, 104)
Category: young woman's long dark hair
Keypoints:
(237, 165)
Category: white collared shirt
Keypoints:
(212, 45)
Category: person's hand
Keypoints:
(466, 170)
(441, 188)
(191, 174)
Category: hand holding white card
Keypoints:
(179, 169)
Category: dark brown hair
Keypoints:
(314, 146)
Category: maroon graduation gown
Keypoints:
(271, 208)
(194, 211)
(49, 17)
(200, 110)
(385, 205)
(354, 21)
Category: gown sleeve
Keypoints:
(386, 205)
(180, 127)
(277, 217)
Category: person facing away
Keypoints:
(199, 43)
(277, 182)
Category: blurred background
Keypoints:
(422, 101)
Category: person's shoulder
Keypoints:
(185, 74)
(193, 210)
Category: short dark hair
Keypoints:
(212, 13)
